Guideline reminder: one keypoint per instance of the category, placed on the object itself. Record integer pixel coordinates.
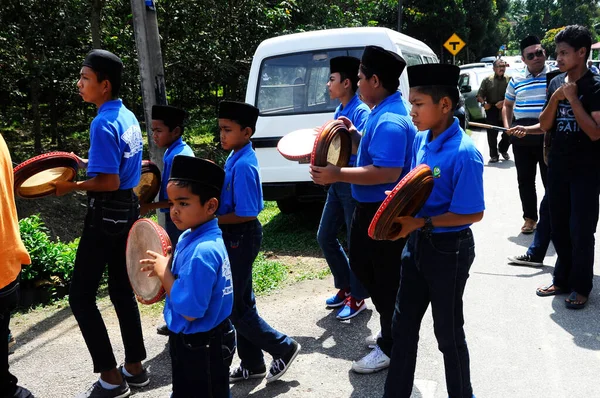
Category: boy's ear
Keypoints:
(347, 83)
(248, 132)
(376, 81)
(446, 104)
(213, 205)
(177, 131)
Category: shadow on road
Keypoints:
(503, 164)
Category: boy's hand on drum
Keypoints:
(409, 224)
(64, 187)
(157, 264)
(324, 175)
(81, 162)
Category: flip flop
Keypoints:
(545, 291)
(574, 304)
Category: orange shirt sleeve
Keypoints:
(12, 251)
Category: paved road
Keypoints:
(521, 345)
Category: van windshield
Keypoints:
(297, 83)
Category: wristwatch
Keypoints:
(428, 227)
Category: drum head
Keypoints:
(34, 177)
(145, 235)
(333, 145)
(406, 199)
(149, 184)
(298, 145)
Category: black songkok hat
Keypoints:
(170, 115)
(383, 62)
(529, 41)
(433, 75)
(347, 65)
(199, 171)
(243, 113)
(106, 62)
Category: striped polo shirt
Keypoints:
(528, 92)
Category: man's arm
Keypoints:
(363, 175)
(99, 183)
(232, 218)
(448, 219)
(589, 124)
(507, 112)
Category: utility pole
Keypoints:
(400, 15)
(152, 74)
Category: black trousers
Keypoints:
(200, 362)
(493, 117)
(376, 264)
(108, 221)
(9, 298)
(527, 159)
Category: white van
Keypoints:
(287, 83)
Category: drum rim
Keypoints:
(149, 167)
(422, 168)
(325, 138)
(296, 157)
(165, 243)
(71, 161)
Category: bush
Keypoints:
(51, 262)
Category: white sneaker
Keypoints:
(371, 341)
(373, 362)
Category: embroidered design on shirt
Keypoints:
(437, 173)
(226, 273)
(133, 138)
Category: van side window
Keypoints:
(297, 83)
(411, 59)
(463, 80)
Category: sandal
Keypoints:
(528, 227)
(549, 290)
(574, 303)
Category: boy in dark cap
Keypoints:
(198, 285)
(167, 129)
(114, 165)
(241, 202)
(383, 158)
(440, 247)
(572, 119)
(339, 206)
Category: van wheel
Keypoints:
(288, 205)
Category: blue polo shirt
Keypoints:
(177, 147)
(203, 287)
(242, 190)
(457, 169)
(357, 111)
(387, 141)
(116, 144)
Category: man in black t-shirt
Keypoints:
(572, 118)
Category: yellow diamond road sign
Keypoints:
(454, 44)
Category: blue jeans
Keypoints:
(435, 268)
(339, 209)
(573, 201)
(543, 233)
(200, 362)
(254, 335)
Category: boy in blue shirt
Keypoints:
(384, 156)
(114, 165)
(241, 202)
(167, 129)
(440, 247)
(198, 285)
(339, 206)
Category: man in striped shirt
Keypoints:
(524, 99)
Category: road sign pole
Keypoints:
(454, 60)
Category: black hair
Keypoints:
(243, 125)
(203, 191)
(576, 36)
(115, 83)
(438, 92)
(172, 125)
(389, 83)
(353, 79)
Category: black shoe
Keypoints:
(139, 380)
(280, 365)
(505, 155)
(97, 391)
(163, 330)
(240, 374)
(494, 159)
(525, 259)
(21, 392)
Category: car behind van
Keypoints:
(288, 83)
